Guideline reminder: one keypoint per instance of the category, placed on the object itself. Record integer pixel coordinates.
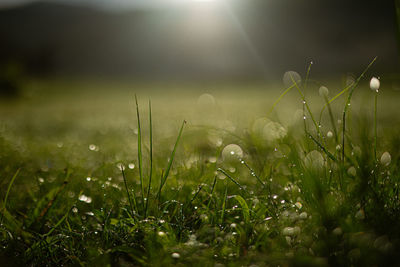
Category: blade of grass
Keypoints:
(57, 224)
(51, 202)
(224, 205)
(347, 104)
(140, 159)
(252, 172)
(197, 193)
(375, 125)
(151, 160)
(212, 191)
(306, 105)
(333, 99)
(332, 120)
(279, 99)
(9, 188)
(165, 177)
(7, 193)
(129, 196)
(329, 154)
(245, 209)
(232, 179)
(307, 74)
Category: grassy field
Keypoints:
(215, 178)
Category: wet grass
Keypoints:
(96, 178)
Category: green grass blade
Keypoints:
(165, 177)
(307, 75)
(245, 209)
(197, 193)
(306, 104)
(253, 173)
(232, 179)
(140, 156)
(375, 125)
(333, 99)
(151, 160)
(280, 98)
(329, 154)
(129, 195)
(332, 120)
(212, 191)
(57, 224)
(347, 104)
(224, 205)
(9, 188)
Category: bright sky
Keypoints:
(108, 3)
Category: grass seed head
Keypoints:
(323, 91)
(386, 159)
(374, 84)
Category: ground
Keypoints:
(247, 183)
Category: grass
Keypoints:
(84, 183)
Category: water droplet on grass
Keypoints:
(175, 255)
(84, 198)
(232, 152)
(291, 77)
(323, 91)
(161, 234)
(120, 166)
(273, 131)
(131, 166)
(298, 205)
(206, 100)
(314, 159)
(303, 215)
(92, 147)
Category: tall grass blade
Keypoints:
(280, 98)
(212, 191)
(3, 209)
(57, 224)
(245, 209)
(375, 125)
(129, 195)
(171, 160)
(197, 193)
(140, 158)
(307, 74)
(232, 179)
(253, 173)
(306, 105)
(332, 120)
(9, 188)
(224, 205)
(347, 104)
(329, 154)
(151, 160)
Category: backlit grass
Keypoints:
(231, 178)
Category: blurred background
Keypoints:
(194, 40)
